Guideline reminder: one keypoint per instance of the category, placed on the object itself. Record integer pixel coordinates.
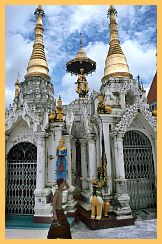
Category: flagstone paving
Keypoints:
(143, 229)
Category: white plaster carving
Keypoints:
(20, 134)
(24, 112)
(136, 123)
(86, 120)
(131, 113)
(128, 85)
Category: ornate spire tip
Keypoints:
(39, 11)
(81, 42)
(111, 9)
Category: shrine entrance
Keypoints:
(21, 179)
(139, 170)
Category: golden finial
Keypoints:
(17, 88)
(59, 101)
(115, 63)
(37, 64)
(112, 9)
(39, 11)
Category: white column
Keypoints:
(122, 101)
(119, 157)
(120, 181)
(121, 186)
(68, 145)
(73, 163)
(42, 208)
(106, 133)
(117, 173)
(100, 138)
(41, 159)
(84, 164)
(51, 149)
(98, 155)
(92, 158)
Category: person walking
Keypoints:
(60, 227)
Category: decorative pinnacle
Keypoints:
(115, 63)
(18, 75)
(114, 39)
(142, 87)
(39, 11)
(59, 99)
(139, 84)
(17, 88)
(81, 42)
(112, 9)
(17, 81)
(38, 64)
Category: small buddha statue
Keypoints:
(82, 84)
(17, 88)
(101, 105)
(103, 108)
(59, 112)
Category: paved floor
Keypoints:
(143, 229)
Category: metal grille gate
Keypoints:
(21, 178)
(139, 170)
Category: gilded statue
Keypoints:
(103, 108)
(59, 111)
(17, 88)
(82, 84)
(51, 116)
(97, 203)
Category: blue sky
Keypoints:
(62, 24)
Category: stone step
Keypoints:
(105, 222)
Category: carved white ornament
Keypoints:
(127, 85)
(131, 113)
(13, 114)
(86, 120)
(69, 120)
